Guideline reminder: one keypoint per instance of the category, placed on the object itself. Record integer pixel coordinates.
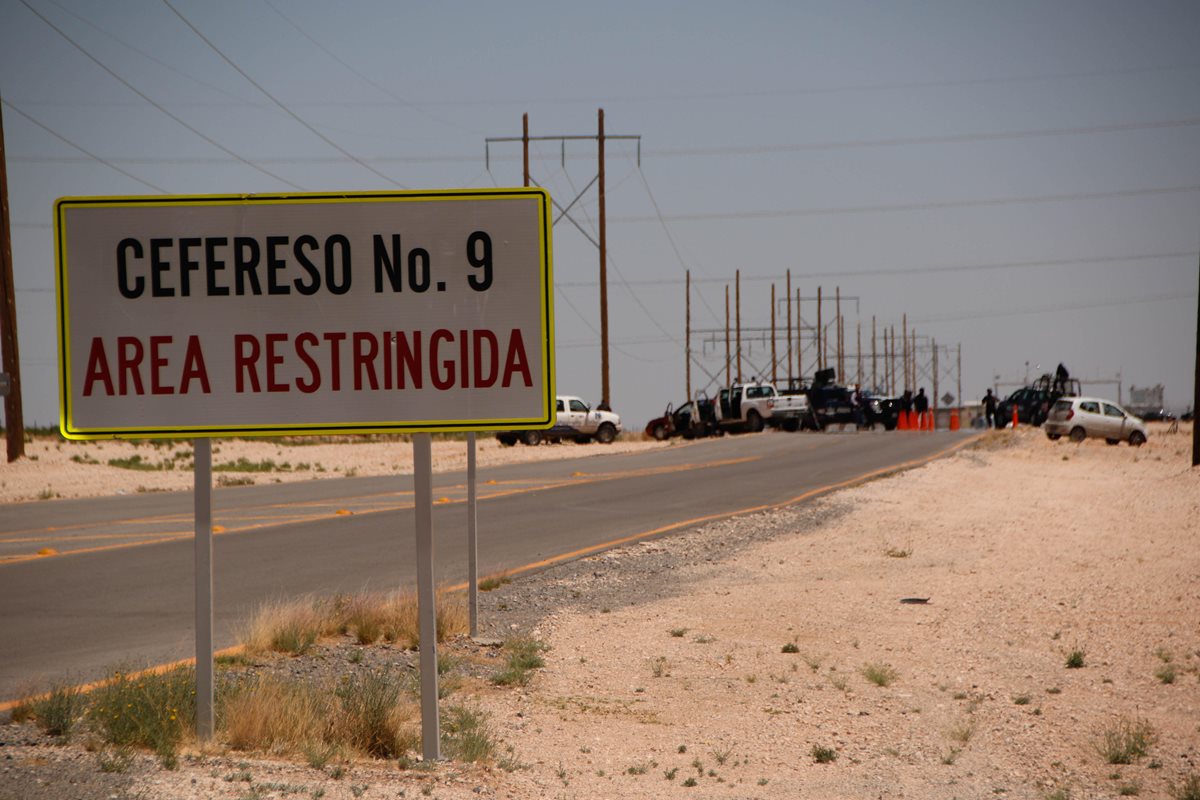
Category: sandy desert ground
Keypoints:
(721, 662)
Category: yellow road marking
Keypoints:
(520, 487)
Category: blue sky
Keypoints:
(1020, 178)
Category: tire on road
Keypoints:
(531, 438)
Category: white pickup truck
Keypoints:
(753, 406)
(576, 420)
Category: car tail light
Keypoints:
(1070, 413)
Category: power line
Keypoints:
(91, 155)
(812, 90)
(730, 150)
(276, 101)
(152, 102)
(906, 270)
(881, 209)
(921, 140)
(373, 84)
(1128, 301)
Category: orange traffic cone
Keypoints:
(954, 419)
(1015, 418)
(902, 421)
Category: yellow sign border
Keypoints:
(546, 310)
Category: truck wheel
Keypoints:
(583, 439)
(532, 438)
(506, 439)
(606, 434)
(659, 432)
(754, 421)
(1078, 434)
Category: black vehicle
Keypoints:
(832, 404)
(1033, 402)
(692, 420)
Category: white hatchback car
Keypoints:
(1082, 417)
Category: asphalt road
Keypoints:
(121, 591)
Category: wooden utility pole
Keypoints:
(687, 337)
(789, 325)
(525, 145)
(841, 366)
(14, 418)
(738, 308)
(820, 335)
(874, 362)
(604, 384)
(774, 359)
(799, 341)
(727, 382)
(960, 400)
(933, 401)
(600, 242)
(904, 350)
(1196, 396)
(858, 356)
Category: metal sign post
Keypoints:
(472, 537)
(426, 597)
(202, 475)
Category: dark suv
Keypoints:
(1033, 402)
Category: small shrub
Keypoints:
(678, 633)
(962, 731)
(690, 782)
(1125, 741)
(790, 647)
(57, 712)
(1131, 789)
(1166, 673)
(114, 759)
(1075, 659)
(824, 755)
(1188, 790)
(524, 655)
(660, 667)
(896, 552)
(880, 674)
(1022, 700)
(951, 755)
(466, 735)
(493, 582)
(151, 710)
(373, 720)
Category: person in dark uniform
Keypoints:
(921, 406)
(989, 409)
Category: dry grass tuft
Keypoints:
(293, 626)
(275, 716)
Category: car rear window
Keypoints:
(1062, 405)
(1090, 407)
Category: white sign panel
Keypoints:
(265, 315)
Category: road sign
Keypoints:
(947, 399)
(202, 316)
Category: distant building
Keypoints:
(1146, 396)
